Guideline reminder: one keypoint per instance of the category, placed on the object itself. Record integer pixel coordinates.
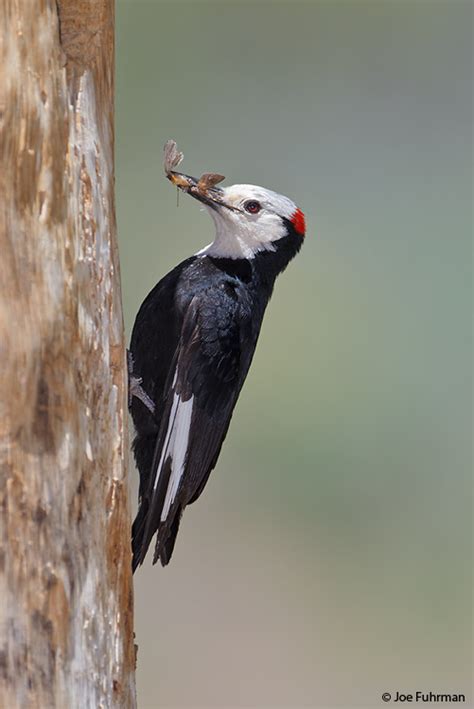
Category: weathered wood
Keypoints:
(66, 611)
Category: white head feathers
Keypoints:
(252, 224)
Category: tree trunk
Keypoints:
(66, 608)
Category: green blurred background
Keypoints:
(329, 559)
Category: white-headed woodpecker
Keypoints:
(191, 348)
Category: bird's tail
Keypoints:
(138, 535)
(165, 541)
(165, 538)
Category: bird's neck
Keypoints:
(269, 264)
(262, 268)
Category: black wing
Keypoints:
(210, 364)
(153, 344)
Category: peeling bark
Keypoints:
(66, 612)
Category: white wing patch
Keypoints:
(175, 446)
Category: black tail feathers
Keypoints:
(165, 540)
(165, 544)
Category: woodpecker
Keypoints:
(192, 345)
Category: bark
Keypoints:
(66, 611)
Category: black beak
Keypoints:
(204, 189)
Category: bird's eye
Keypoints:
(252, 206)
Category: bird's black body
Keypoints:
(192, 345)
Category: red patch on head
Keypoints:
(298, 222)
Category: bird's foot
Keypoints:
(135, 388)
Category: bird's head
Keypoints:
(248, 218)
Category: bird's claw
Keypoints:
(135, 388)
